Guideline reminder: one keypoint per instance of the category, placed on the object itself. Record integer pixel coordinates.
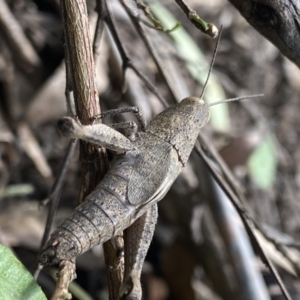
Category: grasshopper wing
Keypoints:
(149, 174)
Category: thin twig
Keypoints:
(229, 178)
(54, 196)
(150, 48)
(207, 28)
(127, 63)
(17, 39)
(99, 28)
(247, 220)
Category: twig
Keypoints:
(223, 167)
(234, 185)
(156, 23)
(247, 220)
(17, 39)
(111, 250)
(207, 28)
(54, 196)
(100, 9)
(79, 50)
(65, 275)
(250, 284)
(80, 65)
(127, 63)
(150, 48)
(34, 152)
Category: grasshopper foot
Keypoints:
(131, 289)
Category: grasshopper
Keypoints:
(144, 168)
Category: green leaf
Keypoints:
(263, 163)
(196, 65)
(16, 283)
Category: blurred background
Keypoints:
(194, 251)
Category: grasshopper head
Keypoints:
(180, 125)
(196, 107)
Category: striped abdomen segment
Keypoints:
(103, 214)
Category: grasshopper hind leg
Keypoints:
(137, 239)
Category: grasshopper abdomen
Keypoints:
(104, 213)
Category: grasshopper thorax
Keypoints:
(180, 125)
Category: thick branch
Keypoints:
(277, 20)
(79, 49)
(93, 159)
(81, 57)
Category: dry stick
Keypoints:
(207, 28)
(250, 284)
(100, 9)
(247, 220)
(79, 51)
(232, 181)
(229, 178)
(156, 59)
(17, 39)
(54, 196)
(114, 247)
(87, 107)
(127, 63)
(69, 84)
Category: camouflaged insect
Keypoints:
(142, 172)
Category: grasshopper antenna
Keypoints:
(236, 99)
(212, 61)
(209, 72)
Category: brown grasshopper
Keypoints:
(143, 170)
